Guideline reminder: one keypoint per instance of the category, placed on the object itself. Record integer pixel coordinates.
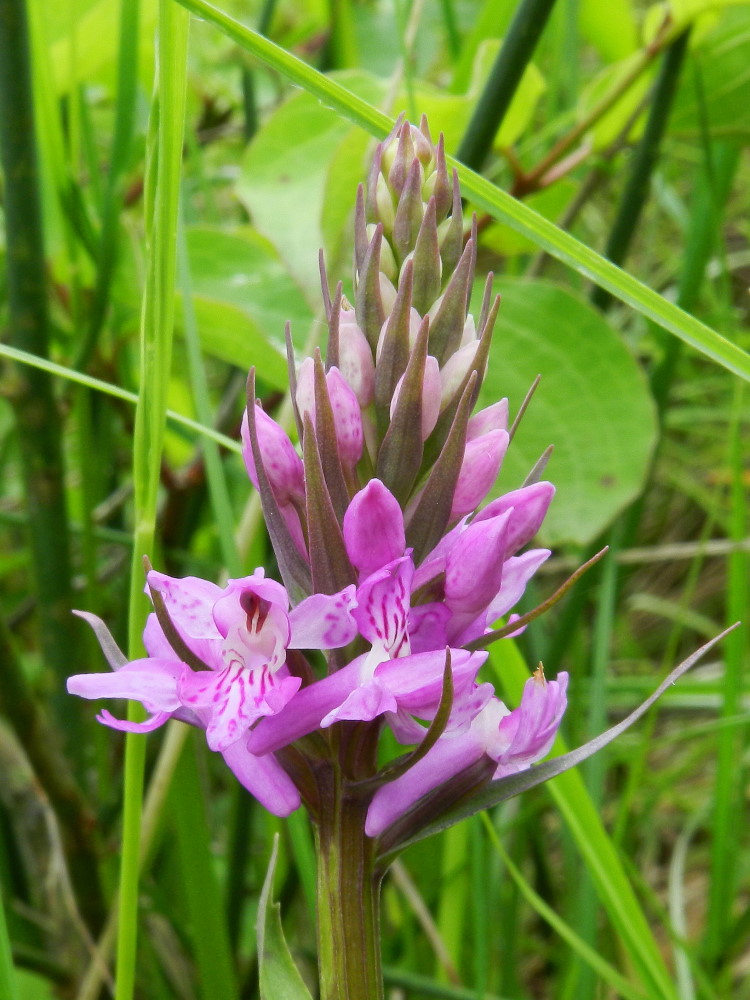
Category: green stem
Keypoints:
(342, 41)
(512, 59)
(348, 897)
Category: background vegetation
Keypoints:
(204, 202)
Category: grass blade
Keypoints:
(730, 774)
(205, 910)
(8, 986)
(635, 194)
(588, 954)
(117, 392)
(597, 851)
(499, 204)
(163, 188)
(38, 424)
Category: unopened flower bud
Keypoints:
(374, 528)
(482, 459)
(385, 206)
(280, 460)
(347, 416)
(355, 358)
(454, 371)
(430, 396)
(415, 321)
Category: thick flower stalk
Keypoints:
(390, 565)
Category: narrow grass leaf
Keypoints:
(499, 204)
(603, 969)
(8, 985)
(279, 977)
(205, 909)
(729, 791)
(117, 392)
(223, 516)
(162, 197)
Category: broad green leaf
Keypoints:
(243, 269)
(243, 297)
(282, 181)
(279, 977)
(716, 95)
(91, 28)
(592, 405)
(228, 333)
(611, 28)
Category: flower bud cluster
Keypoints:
(388, 561)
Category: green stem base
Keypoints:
(348, 899)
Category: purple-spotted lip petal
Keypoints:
(414, 681)
(382, 609)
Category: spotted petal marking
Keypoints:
(383, 610)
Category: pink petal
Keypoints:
(449, 756)
(526, 734)
(530, 504)
(310, 705)
(124, 725)
(474, 566)
(517, 571)
(264, 778)
(150, 681)
(482, 460)
(355, 358)
(430, 396)
(374, 528)
(491, 418)
(324, 621)
(364, 704)
(237, 697)
(347, 417)
(189, 602)
(417, 680)
(427, 627)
